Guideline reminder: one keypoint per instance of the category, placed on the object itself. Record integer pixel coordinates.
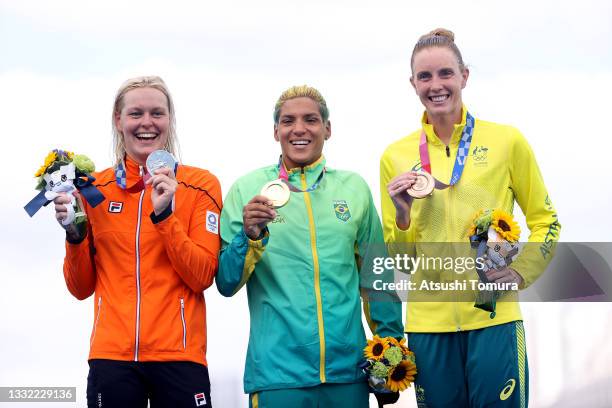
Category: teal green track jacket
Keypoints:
(305, 277)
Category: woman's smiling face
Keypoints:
(143, 121)
(438, 80)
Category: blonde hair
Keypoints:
(154, 82)
(300, 91)
(440, 37)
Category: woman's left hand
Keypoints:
(506, 275)
(164, 186)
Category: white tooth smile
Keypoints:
(146, 135)
(438, 98)
(300, 142)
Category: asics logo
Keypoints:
(507, 391)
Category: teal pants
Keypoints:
(472, 369)
(320, 396)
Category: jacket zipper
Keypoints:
(450, 217)
(138, 269)
(315, 258)
(184, 325)
(96, 323)
(455, 301)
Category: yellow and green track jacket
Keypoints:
(304, 279)
(500, 169)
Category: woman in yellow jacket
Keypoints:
(466, 357)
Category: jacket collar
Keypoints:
(434, 139)
(128, 172)
(311, 171)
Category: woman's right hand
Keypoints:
(256, 215)
(61, 213)
(401, 199)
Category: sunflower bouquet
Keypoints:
(65, 172)
(389, 364)
(495, 234)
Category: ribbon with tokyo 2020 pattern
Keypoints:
(462, 153)
(121, 178)
(279, 191)
(282, 174)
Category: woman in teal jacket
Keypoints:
(305, 265)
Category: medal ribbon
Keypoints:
(462, 152)
(284, 176)
(121, 178)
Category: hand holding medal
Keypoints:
(410, 185)
(160, 165)
(256, 214)
(423, 185)
(398, 190)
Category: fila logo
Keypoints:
(115, 207)
(200, 400)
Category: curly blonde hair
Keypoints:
(300, 91)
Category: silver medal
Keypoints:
(159, 159)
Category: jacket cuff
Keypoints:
(261, 240)
(75, 241)
(82, 231)
(162, 216)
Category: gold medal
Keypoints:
(423, 186)
(277, 192)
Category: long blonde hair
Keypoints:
(154, 82)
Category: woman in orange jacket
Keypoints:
(146, 254)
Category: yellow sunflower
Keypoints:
(375, 348)
(505, 226)
(401, 376)
(40, 171)
(51, 157)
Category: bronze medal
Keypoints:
(423, 186)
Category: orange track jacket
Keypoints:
(148, 273)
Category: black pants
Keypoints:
(130, 384)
